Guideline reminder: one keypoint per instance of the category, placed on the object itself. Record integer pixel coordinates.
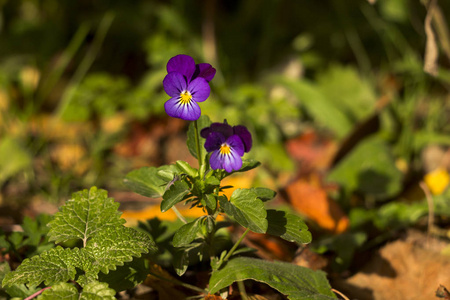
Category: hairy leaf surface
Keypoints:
(84, 216)
(92, 291)
(55, 265)
(114, 246)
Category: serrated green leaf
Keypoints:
(97, 291)
(4, 269)
(288, 226)
(115, 246)
(62, 290)
(150, 181)
(202, 122)
(55, 265)
(187, 233)
(298, 283)
(66, 291)
(264, 194)
(174, 194)
(84, 216)
(245, 208)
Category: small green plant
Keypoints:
(96, 252)
(219, 148)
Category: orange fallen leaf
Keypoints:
(309, 197)
(312, 151)
(213, 297)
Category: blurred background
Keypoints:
(347, 101)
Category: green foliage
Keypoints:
(377, 177)
(175, 194)
(86, 215)
(13, 158)
(288, 226)
(322, 109)
(247, 209)
(92, 218)
(150, 181)
(187, 233)
(297, 283)
(92, 291)
(31, 241)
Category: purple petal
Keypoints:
(223, 128)
(199, 89)
(188, 112)
(183, 64)
(245, 136)
(204, 70)
(215, 160)
(232, 162)
(236, 144)
(174, 83)
(213, 141)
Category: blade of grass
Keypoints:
(63, 61)
(86, 63)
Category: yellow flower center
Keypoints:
(185, 97)
(225, 149)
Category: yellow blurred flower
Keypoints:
(71, 157)
(437, 180)
(29, 77)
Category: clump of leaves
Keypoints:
(96, 251)
(200, 238)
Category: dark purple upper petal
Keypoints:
(199, 89)
(204, 70)
(174, 83)
(214, 140)
(236, 144)
(189, 112)
(223, 128)
(183, 64)
(245, 136)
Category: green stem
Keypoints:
(241, 288)
(179, 215)
(199, 156)
(181, 283)
(236, 245)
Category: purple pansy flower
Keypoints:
(187, 84)
(227, 144)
